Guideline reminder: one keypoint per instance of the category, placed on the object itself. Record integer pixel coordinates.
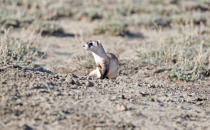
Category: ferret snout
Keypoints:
(85, 46)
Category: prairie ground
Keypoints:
(164, 51)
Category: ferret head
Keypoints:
(93, 46)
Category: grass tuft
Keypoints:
(47, 28)
(186, 57)
(114, 28)
(18, 52)
(89, 13)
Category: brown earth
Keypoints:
(137, 99)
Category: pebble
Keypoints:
(89, 84)
(121, 107)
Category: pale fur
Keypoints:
(95, 73)
(103, 61)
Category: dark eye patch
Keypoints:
(90, 44)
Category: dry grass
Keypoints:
(185, 54)
(47, 28)
(18, 52)
(134, 13)
(115, 28)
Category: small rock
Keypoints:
(152, 86)
(71, 81)
(74, 76)
(77, 83)
(139, 84)
(63, 79)
(121, 107)
(17, 66)
(143, 94)
(89, 84)
(123, 97)
(1, 70)
(56, 76)
(153, 99)
(4, 82)
(27, 127)
(89, 78)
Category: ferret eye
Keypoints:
(90, 44)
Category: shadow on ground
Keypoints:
(60, 34)
(135, 35)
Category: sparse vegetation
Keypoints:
(185, 56)
(9, 22)
(89, 13)
(115, 28)
(18, 52)
(47, 28)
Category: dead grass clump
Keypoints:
(9, 22)
(8, 18)
(89, 13)
(26, 3)
(12, 2)
(18, 52)
(185, 56)
(125, 10)
(149, 21)
(47, 28)
(160, 22)
(16, 17)
(187, 18)
(114, 28)
(60, 13)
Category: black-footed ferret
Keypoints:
(107, 64)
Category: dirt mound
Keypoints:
(40, 99)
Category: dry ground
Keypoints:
(39, 99)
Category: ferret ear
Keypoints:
(98, 42)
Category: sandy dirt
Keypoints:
(59, 95)
(40, 99)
